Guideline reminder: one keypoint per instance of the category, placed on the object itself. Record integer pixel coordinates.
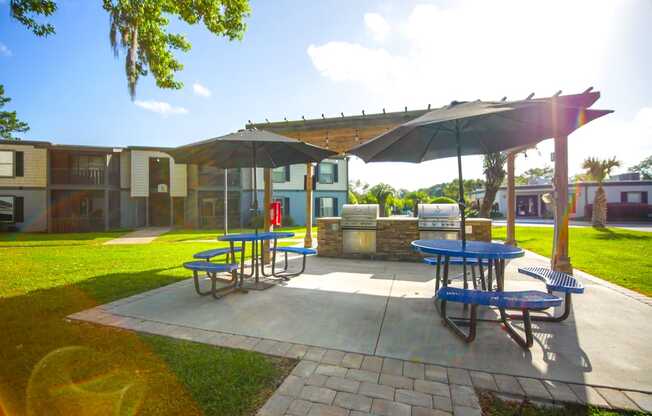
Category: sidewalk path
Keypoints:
(140, 236)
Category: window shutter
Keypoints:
(316, 207)
(644, 197)
(286, 205)
(335, 208)
(20, 164)
(336, 172)
(19, 209)
(623, 197)
(316, 175)
(287, 174)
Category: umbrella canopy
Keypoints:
(250, 148)
(480, 127)
(236, 150)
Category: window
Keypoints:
(281, 174)
(326, 207)
(7, 209)
(327, 172)
(6, 163)
(637, 197)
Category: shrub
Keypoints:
(442, 200)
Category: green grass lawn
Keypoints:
(45, 277)
(492, 406)
(618, 255)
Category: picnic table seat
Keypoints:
(458, 261)
(522, 300)
(209, 254)
(211, 270)
(555, 282)
(303, 251)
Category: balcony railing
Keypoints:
(89, 176)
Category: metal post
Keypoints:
(307, 241)
(511, 200)
(461, 203)
(226, 202)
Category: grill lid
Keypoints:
(361, 215)
(439, 211)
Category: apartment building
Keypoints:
(627, 200)
(67, 188)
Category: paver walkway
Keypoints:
(140, 236)
(369, 342)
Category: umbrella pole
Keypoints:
(255, 190)
(461, 203)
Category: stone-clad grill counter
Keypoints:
(393, 236)
(359, 226)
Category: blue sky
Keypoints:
(308, 58)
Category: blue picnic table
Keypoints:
(257, 266)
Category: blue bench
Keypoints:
(555, 282)
(521, 300)
(284, 274)
(209, 254)
(459, 261)
(212, 269)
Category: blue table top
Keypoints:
(476, 249)
(263, 235)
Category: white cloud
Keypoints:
(4, 50)
(200, 90)
(474, 49)
(377, 26)
(160, 107)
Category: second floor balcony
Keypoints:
(78, 176)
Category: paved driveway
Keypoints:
(386, 309)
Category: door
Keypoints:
(527, 206)
(159, 210)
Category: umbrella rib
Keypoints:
(429, 143)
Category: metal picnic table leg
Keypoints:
(257, 264)
(482, 281)
(437, 275)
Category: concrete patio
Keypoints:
(385, 309)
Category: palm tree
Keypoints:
(384, 194)
(494, 173)
(598, 170)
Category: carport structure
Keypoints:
(343, 133)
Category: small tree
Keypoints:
(383, 194)
(524, 178)
(494, 173)
(644, 168)
(598, 170)
(9, 123)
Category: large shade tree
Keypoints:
(9, 122)
(139, 29)
(598, 170)
(494, 174)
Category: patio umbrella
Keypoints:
(470, 128)
(250, 148)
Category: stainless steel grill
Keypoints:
(359, 228)
(360, 217)
(439, 221)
